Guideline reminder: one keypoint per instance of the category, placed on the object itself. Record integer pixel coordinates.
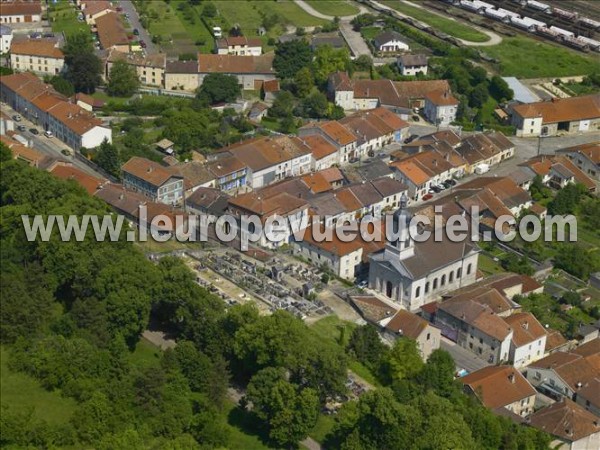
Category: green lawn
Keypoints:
(333, 7)
(322, 427)
(23, 393)
(488, 266)
(63, 18)
(369, 33)
(451, 27)
(291, 12)
(525, 58)
(145, 355)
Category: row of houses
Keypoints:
(21, 12)
(40, 103)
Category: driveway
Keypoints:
(134, 20)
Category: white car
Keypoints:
(48, 134)
(363, 284)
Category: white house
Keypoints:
(390, 42)
(152, 180)
(411, 65)
(41, 56)
(528, 341)
(441, 108)
(337, 135)
(239, 45)
(6, 37)
(21, 12)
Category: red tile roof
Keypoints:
(89, 183)
(45, 48)
(566, 420)
(526, 328)
(233, 64)
(498, 386)
(562, 110)
(111, 31)
(147, 170)
(20, 8)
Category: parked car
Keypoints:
(416, 118)
(353, 160)
(48, 134)
(435, 189)
(450, 182)
(427, 197)
(142, 44)
(363, 284)
(119, 9)
(441, 187)
(17, 117)
(34, 131)
(136, 31)
(411, 138)
(21, 127)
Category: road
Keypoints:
(134, 20)
(463, 358)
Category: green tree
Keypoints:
(219, 88)
(84, 68)
(438, 374)
(62, 85)
(500, 90)
(5, 153)
(567, 199)
(366, 346)
(403, 360)
(517, 264)
(478, 96)
(284, 105)
(290, 57)
(209, 10)
(122, 80)
(304, 82)
(590, 211)
(107, 157)
(576, 260)
(316, 105)
(289, 411)
(328, 60)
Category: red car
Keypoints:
(427, 197)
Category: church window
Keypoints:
(388, 289)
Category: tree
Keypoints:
(304, 82)
(590, 211)
(403, 360)
(290, 57)
(315, 105)
(62, 85)
(438, 374)
(517, 264)
(363, 63)
(576, 260)
(209, 10)
(328, 60)
(289, 411)
(84, 68)
(538, 190)
(567, 199)
(363, 20)
(284, 105)
(366, 346)
(5, 153)
(107, 157)
(478, 96)
(123, 80)
(219, 88)
(500, 90)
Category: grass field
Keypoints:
(333, 7)
(488, 266)
(322, 428)
(63, 18)
(526, 58)
(23, 393)
(448, 26)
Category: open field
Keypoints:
(333, 7)
(23, 393)
(63, 18)
(488, 266)
(527, 58)
(451, 27)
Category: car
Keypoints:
(65, 152)
(34, 131)
(411, 138)
(17, 117)
(136, 31)
(119, 9)
(441, 187)
(353, 160)
(450, 182)
(435, 189)
(416, 118)
(446, 184)
(48, 134)
(142, 44)
(363, 284)
(21, 127)
(427, 197)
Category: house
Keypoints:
(76, 127)
(334, 40)
(501, 387)
(406, 324)
(92, 10)
(21, 12)
(207, 200)
(195, 175)
(555, 342)
(271, 159)
(484, 149)
(258, 111)
(111, 32)
(390, 42)
(588, 396)
(231, 174)
(558, 116)
(414, 273)
(182, 75)
(270, 89)
(251, 71)
(411, 65)
(67, 172)
(564, 373)
(87, 102)
(337, 135)
(150, 68)
(528, 341)
(292, 211)
(507, 196)
(558, 171)
(586, 157)
(324, 153)
(6, 37)
(238, 45)
(400, 97)
(41, 56)
(372, 170)
(440, 108)
(152, 180)
(572, 427)
(165, 146)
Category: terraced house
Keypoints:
(41, 56)
(152, 180)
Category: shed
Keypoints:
(165, 146)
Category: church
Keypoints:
(412, 273)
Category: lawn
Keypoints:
(145, 355)
(369, 33)
(322, 427)
(291, 12)
(525, 58)
(63, 17)
(23, 393)
(333, 7)
(451, 27)
(488, 266)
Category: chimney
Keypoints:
(511, 378)
(526, 325)
(149, 170)
(121, 196)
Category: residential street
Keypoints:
(134, 19)
(463, 358)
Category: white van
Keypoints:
(217, 32)
(48, 134)
(482, 168)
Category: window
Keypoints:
(418, 293)
(481, 340)
(388, 289)
(451, 277)
(427, 287)
(469, 269)
(428, 336)
(443, 282)
(458, 273)
(471, 345)
(435, 284)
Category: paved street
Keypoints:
(134, 20)
(463, 358)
